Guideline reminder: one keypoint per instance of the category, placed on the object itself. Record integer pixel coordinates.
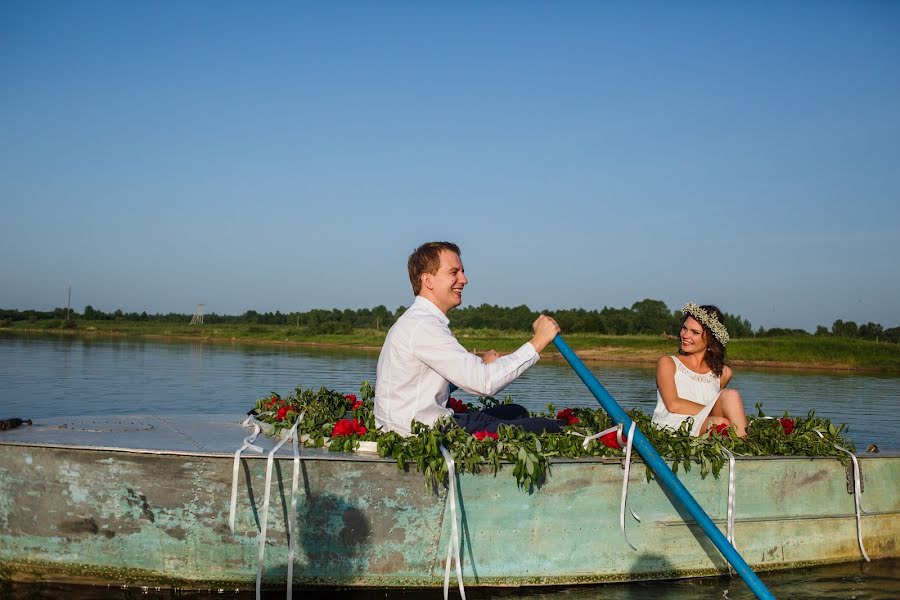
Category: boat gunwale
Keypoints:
(320, 453)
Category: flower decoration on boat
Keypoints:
(530, 452)
(611, 440)
(568, 414)
(346, 427)
(354, 402)
(720, 429)
(458, 406)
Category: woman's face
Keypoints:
(693, 338)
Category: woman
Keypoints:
(692, 384)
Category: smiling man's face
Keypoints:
(444, 288)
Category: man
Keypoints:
(420, 357)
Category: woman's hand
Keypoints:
(665, 383)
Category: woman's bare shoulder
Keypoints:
(665, 363)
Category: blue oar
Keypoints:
(663, 473)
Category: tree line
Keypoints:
(647, 316)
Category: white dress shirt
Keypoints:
(420, 358)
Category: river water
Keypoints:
(46, 376)
(43, 376)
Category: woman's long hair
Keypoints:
(715, 350)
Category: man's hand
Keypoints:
(490, 356)
(545, 329)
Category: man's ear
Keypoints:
(426, 281)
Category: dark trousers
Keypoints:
(505, 414)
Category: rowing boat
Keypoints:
(145, 500)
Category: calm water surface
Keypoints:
(44, 376)
(854, 581)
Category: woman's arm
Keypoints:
(665, 383)
(726, 376)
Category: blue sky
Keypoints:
(288, 156)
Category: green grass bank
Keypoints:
(796, 351)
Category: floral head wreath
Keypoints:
(708, 319)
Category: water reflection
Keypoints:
(878, 580)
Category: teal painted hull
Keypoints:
(80, 504)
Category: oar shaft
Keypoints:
(663, 473)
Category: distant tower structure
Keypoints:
(197, 319)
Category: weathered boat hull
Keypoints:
(77, 503)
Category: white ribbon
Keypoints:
(628, 443)
(589, 438)
(729, 532)
(248, 445)
(292, 435)
(292, 527)
(856, 494)
(729, 535)
(453, 546)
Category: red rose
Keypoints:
(282, 413)
(341, 428)
(480, 435)
(273, 400)
(720, 429)
(567, 414)
(787, 425)
(348, 427)
(458, 406)
(350, 397)
(611, 440)
(356, 404)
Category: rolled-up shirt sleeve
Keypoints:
(435, 346)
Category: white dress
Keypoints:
(702, 388)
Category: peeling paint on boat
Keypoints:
(79, 504)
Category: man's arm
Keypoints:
(437, 348)
(490, 356)
(545, 330)
(548, 330)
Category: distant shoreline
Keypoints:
(638, 350)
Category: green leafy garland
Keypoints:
(528, 452)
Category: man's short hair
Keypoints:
(427, 259)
